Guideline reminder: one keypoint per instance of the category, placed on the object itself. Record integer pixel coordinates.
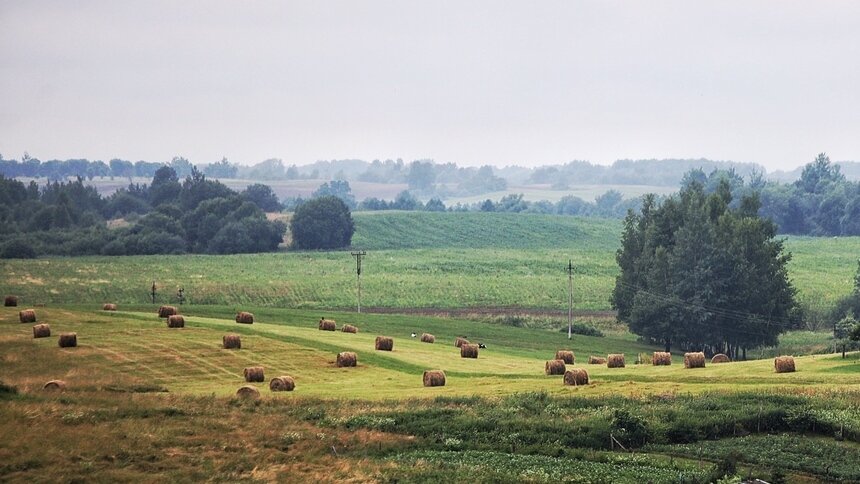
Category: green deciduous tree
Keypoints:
(322, 223)
(700, 274)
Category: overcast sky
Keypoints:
(468, 82)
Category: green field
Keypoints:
(162, 398)
(415, 260)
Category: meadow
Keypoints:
(145, 402)
(415, 260)
(164, 397)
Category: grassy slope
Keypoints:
(287, 342)
(102, 428)
(447, 260)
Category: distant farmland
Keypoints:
(416, 260)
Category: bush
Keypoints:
(17, 249)
(322, 223)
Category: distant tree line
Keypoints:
(610, 204)
(821, 202)
(167, 216)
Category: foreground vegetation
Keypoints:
(164, 397)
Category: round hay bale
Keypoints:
(175, 321)
(661, 358)
(427, 338)
(10, 301)
(348, 328)
(434, 378)
(468, 350)
(109, 307)
(41, 331)
(783, 364)
(694, 360)
(282, 384)
(347, 358)
(721, 358)
(254, 374)
(384, 343)
(68, 340)
(327, 325)
(459, 342)
(248, 392)
(615, 361)
(555, 367)
(27, 316)
(244, 317)
(566, 356)
(596, 360)
(54, 385)
(167, 311)
(576, 377)
(231, 342)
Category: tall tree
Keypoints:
(704, 275)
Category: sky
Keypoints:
(470, 82)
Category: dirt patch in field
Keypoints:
(486, 311)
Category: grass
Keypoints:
(144, 400)
(417, 260)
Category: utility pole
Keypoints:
(153, 292)
(181, 295)
(358, 255)
(569, 299)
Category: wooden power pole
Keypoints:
(569, 299)
(358, 255)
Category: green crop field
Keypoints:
(145, 400)
(415, 260)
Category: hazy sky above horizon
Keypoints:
(471, 82)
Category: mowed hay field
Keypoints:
(415, 260)
(145, 402)
(288, 342)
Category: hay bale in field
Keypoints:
(248, 392)
(384, 343)
(783, 364)
(54, 385)
(109, 307)
(175, 321)
(555, 367)
(661, 358)
(721, 358)
(694, 360)
(244, 317)
(282, 384)
(596, 360)
(459, 342)
(348, 328)
(254, 373)
(566, 356)
(427, 338)
(41, 331)
(68, 340)
(576, 377)
(327, 325)
(10, 301)
(167, 311)
(27, 316)
(346, 358)
(615, 361)
(434, 378)
(231, 342)
(468, 350)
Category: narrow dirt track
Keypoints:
(485, 311)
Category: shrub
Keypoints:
(17, 249)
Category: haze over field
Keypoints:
(473, 83)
